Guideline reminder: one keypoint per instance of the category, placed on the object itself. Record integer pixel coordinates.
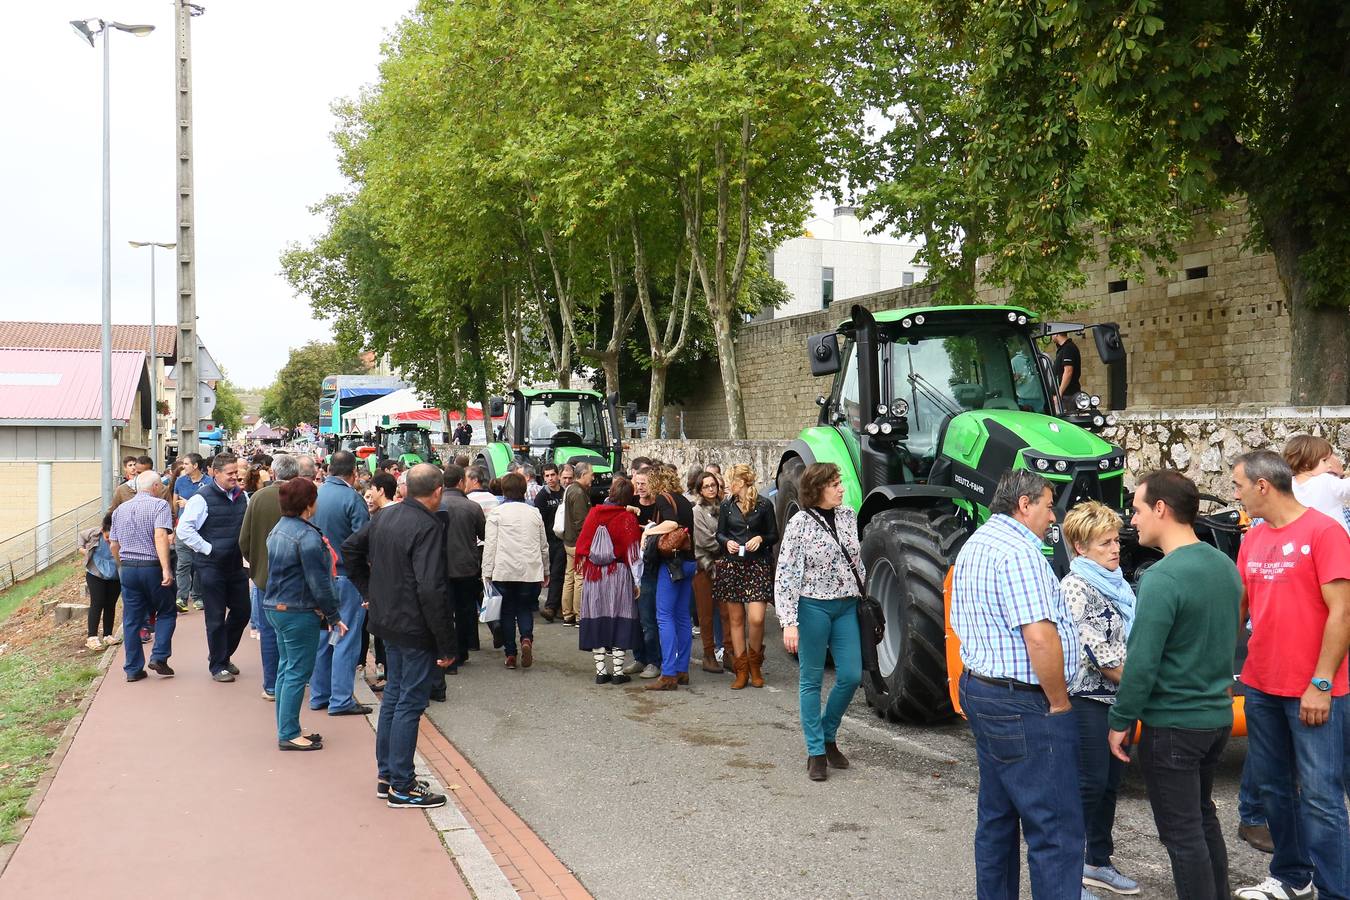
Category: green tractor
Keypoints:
(928, 409)
(559, 426)
(406, 443)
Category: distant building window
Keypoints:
(1115, 287)
(826, 287)
(1197, 272)
(906, 278)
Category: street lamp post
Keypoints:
(154, 371)
(90, 29)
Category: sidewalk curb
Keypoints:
(466, 849)
(58, 756)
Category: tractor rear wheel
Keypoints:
(907, 553)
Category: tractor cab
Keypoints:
(408, 444)
(558, 426)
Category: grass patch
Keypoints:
(24, 591)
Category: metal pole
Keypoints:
(154, 399)
(105, 426)
(186, 372)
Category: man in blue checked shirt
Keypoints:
(1018, 645)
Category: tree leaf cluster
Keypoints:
(293, 398)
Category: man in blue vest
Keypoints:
(339, 513)
(210, 525)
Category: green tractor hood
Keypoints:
(599, 463)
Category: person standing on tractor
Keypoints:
(1295, 569)
(1177, 680)
(816, 593)
(1068, 369)
(1020, 651)
(747, 531)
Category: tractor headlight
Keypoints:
(899, 408)
(1021, 320)
(1098, 421)
(1119, 461)
(1104, 464)
(886, 428)
(881, 409)
(1082, 401)
(906, 322)
(1042, 464)
(1061, 466)
(918, 320)
(1096, 401)
(1111, 420)
(873, 428)
(1012, 317)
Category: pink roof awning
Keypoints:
(66, 386)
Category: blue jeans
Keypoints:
(649, 654)
(1098, 779)
(267, 640)
(826, 625)
(407, 690)
(335, 667)
(672, 618)
(296, 635)
(1028, 782)
(518, 602)
(143, 595)
(1300, 775)
(1250, 811)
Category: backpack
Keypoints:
(602, 547)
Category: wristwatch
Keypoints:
(1321, 684)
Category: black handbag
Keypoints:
(871, 618)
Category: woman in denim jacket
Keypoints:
(300, 572)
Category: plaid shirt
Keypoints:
(134, 524)
(1002, 582)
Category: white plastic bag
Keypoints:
(492, 604)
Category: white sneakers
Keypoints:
(1274, 889)
(94, 643)
(110, 639)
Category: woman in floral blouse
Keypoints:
(1102, 605)
(816, 596)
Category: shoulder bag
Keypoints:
(673, 543)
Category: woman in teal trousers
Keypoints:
(816, 596)
(299, 594)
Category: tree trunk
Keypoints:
(475, 348)
(1319, 361)
(731, 376)
(656, 405)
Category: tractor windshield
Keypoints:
(399, 443)
(943, 375)
(576, 419)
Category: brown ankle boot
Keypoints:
(664, 683)
(834, 756)
(682, 678)
(703, 599)
(756, 659)
(742, 664)
(815, 768)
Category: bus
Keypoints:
(340, 394)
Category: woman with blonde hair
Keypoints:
(674, 521)
(1319, 480)
(1102, 605)
(747, 530)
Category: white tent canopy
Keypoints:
(366, 417)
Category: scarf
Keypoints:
(1111, 583)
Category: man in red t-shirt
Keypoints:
(1295, 570)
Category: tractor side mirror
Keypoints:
(1110, 347)
(496, 407)
(630, 413)
(823, 351)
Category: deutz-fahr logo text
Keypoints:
(967, 483)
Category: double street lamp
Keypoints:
(154, 356)
(88, 29)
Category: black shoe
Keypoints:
(417, 797)
(439, 697)
(548, 615)
(815, 768)
(137, 676)
(834, 756)
(382, 788)
(292, 745)
(160, 667)
(356, 709)
(232, 668)
(603, 678)
(319, 707)
(316, 737)
(620, 678)
(223, 676)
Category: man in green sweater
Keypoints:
(1178, 680)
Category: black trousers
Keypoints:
(224, 587)
(557, 567)
(465, 596)
(1178, 766)
(103, 594)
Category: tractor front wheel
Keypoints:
(907, 553)
(785, 502)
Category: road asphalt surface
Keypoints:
(703, 791)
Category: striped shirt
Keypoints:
(134, 523)
(1002, 582)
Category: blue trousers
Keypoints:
(1249, 801)
(649, 654)
(267, 640)
(1028, 785)
(296, 635)
(1098, 778)
(672, 618)
(335, 667)
(407, 690)
(518, 601)
(1300, 773)
(826, 625)
(142, 595)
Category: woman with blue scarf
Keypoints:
(1102, 605)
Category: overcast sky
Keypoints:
(264, 75)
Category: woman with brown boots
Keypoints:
(708, 502)
(743, 579)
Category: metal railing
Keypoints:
(29, 552)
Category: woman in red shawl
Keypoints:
(609, 558)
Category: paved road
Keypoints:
(703, 791)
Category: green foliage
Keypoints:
(229, 412)
(294, 397)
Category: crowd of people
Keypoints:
(322, 560)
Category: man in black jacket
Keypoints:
(548, 501)
(464, 525)
(397, 562)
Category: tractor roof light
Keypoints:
(1061, 465)
(1098, 421)
(1111, 420)
(881, 409)
(872, 428)
(1082, 401)
(1042, 464)
(1096, 401)
(1104, 464)
(1021, 320)
(899, 408)
(886, 428)
(918, 320)
(905, 323)
(1012, 317)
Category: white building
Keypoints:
(835, 260)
